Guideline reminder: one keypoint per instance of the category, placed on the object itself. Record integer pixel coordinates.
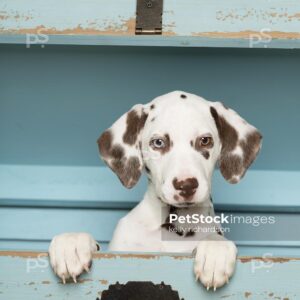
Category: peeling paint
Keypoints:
(104, 281)
(247, 259)
(127, 27)
(25, 254)
(247, 34)
(242, 259)
(271, 15)
(124, 255)
(84, 280)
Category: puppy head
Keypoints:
(178, 138)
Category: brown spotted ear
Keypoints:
(119, 146)
(240, 142)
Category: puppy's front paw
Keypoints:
(215, 262)
(71, 254)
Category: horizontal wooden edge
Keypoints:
(279, 40)
(130, 31)
(242, 259)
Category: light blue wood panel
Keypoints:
(42, 224)
(55, 102)
(209, 23)
(59, 186)
(254, 278)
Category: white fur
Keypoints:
(140, 229)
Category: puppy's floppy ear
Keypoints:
(119, 146)
(240, 142)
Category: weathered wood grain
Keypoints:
(185, 22)
(27, 275)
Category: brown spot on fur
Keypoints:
(203, 149)
(228, 135)
(183, 96)
(190, 233)
(128, 170)
(152, 119)
(218, 231)
(247, 294)
(170, 226)
(232, 166)
(251, 146)
(104, 143)
(152, 106)
(168, 145)
(135, 124)
(192, 143)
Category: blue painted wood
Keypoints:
(254, 278)
(67, 96)
(150, 41)
(186, 23)
(40, 225)
(98, 187)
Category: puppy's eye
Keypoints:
(157, 143)
(206, 141)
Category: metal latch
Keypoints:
(149, 17)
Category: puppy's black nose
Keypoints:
(187, 187)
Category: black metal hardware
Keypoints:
(149, 17)
(137, 290)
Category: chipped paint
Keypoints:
(247, 34)
(270, 15)
(25, 254)
(81, 280)
(103, 281)
(243, 259)
(247, 259)
(126, 27)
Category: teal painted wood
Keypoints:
(98, 187)
(55, 102)
(254, 278)
(40, 225)
(186, 23)
(151, 41)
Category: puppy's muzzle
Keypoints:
(187, 187)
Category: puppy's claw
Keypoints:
(74, 279)
(227, 279)
(86, 268)
(215, 288)
(197, 277)
(207, 288)
(64, 279)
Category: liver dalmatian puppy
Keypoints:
(177, 139)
